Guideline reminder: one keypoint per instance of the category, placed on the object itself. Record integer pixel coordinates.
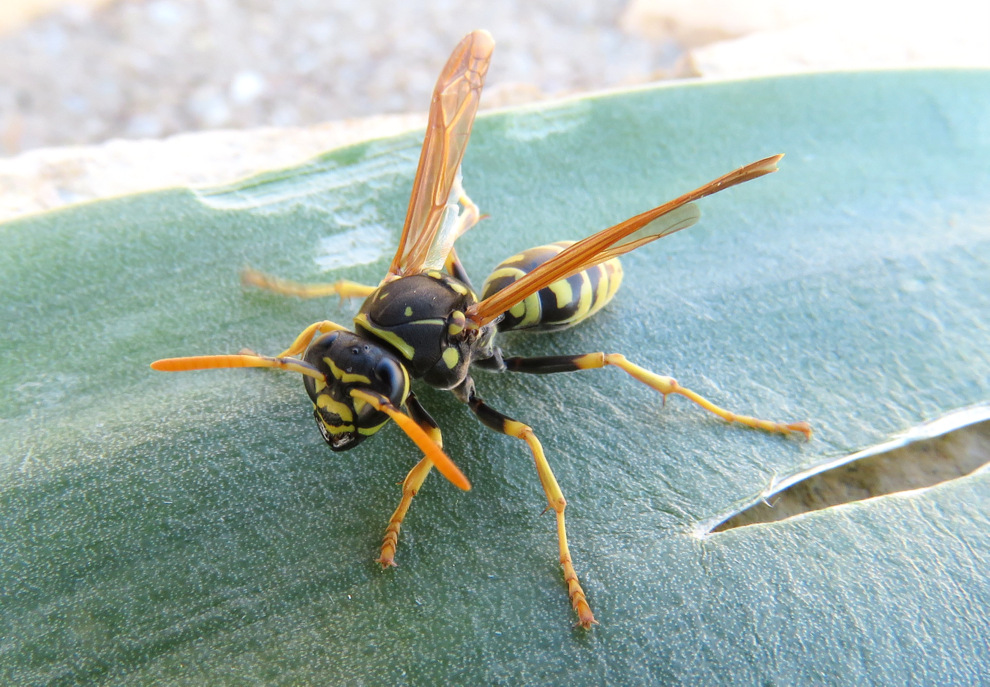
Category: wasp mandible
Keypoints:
(425, 321)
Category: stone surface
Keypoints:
(725, 39)
(48, 178)
(153, 68)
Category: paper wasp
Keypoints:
(424, 320)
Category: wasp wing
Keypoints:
(452, 111)
(623, 237)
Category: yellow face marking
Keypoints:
(326, 402)
(345, 377)
(336, 430)
(451, 357)
(401, 346)
(368, 431)
(319, 385)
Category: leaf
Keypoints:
(194, 528)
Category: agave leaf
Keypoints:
(194, 528)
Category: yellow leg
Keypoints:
(556, 502)
(470, 215)
(306, 337)
(669, 385)
(412, 483)
(410, 487)
(341, 287)
(495, 420)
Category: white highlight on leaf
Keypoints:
(533, 125)
(361, 245)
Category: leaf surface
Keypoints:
(194, 528)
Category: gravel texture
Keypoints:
(93, 70)
(152, 68)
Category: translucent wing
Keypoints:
(661, 221)
(455, 102)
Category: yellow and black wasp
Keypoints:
(424, 320)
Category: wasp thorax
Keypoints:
(349, 361)
(422, 318)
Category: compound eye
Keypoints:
(393, 380)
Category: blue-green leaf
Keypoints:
(194, 528)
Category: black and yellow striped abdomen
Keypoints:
(563, 303)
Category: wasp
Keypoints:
(425, 321)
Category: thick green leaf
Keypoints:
(195, 528)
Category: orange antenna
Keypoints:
(213, 362)
(429, 447)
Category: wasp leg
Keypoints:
(495, 420)
(341, 287)
(469, 216)
(456, 269)
(665, 385)
(411, 484)
(307, 335)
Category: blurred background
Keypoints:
(85, 71)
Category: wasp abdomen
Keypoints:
(561, 304)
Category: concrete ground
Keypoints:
(85, 71)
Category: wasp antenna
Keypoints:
(213, 362)
(429, 447)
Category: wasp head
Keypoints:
(351, 362)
